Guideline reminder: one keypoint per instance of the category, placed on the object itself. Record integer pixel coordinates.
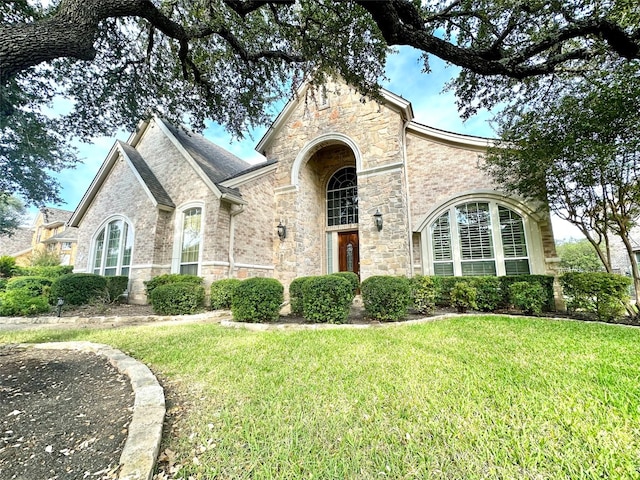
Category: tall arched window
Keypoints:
(479, 238)
(342, 197)
(190, 242)
(112, 249)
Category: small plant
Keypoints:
(257, 300)
(489, 293)
(7, 266)
(296, 295)
(222, 293)
(116, 286)
(463, 296)
(528, 297)
(423, 293)
(167, 279)
(327, 298)
(601, 294)
(78, 289)
(386, 298)
(177, 298)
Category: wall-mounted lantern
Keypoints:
(282, 231)
(377, 219)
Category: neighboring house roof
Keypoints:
(54, 216)
(69, 235)
(146, 176)
(18, 243)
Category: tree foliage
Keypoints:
(578, 256)
(580, 153)
(12, 213)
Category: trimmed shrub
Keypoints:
(423, 294)
(7, 266)
(116, 286)
(3, 284)
(296, 295)
(463, 296)
(386, 298)
(21, 302)
(602, 294)
(38, 286)
(78, 289)
(257, 300)
(352, 278)
(488, 292)
(181, 298)
(327, 299)
(222, 293)
(526, 296)
(49, 272)
(545, 281)
(444, 285)
(167, 279)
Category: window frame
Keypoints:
(499, 258)
(120, 268)
(355, 215)
(176, 262)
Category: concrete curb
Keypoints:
(142, 446)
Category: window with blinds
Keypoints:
(484, 239)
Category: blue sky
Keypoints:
(431, 105)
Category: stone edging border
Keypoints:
(142, 446)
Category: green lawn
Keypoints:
(463, 398)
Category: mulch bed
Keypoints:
(63, 415)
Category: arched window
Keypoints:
(342, 197)
(479, 238)
(112, 249)
(190, 241)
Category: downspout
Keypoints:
(232, 233)
(406, 179)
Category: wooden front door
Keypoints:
(349, 252)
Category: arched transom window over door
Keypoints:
(342, 197)
(112, 249)
(479, 238)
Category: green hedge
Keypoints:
(38, 286)
(386, 298)
(327, 299)
(545, 282)
(22, 302)
(181, 298)
(222, 293)
(296, 295)
(116, 286)
(598, 293)
(489, 296)
(42, 271)
(167, 279)
(352, 278)
(257, 300)
(463, 296)
(423, 294)
(526, 296)
(78, 289)
(7, 266)
(3, 284)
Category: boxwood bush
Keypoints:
(181, 298)
(352, 278)
(167, 279)
(385, 297)
(53, 271)
(257, 300)
(22, 302)
(78, 289)
(116, 286)
(38, 286)
(545, 281)
(423, 294)
(222, 293)
(327, 298)
(463, 296)
(598, 293)
(296, 295)
(489, 295)
(527, 296)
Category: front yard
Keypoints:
(462, 398)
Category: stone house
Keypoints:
(350, 183)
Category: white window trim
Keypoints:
(530, 227)
(177, 235)
(94, 237)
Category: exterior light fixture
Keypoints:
(377, 219)
(282, 231)
(59, 305)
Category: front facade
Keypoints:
(349, 183)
